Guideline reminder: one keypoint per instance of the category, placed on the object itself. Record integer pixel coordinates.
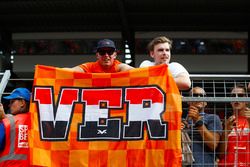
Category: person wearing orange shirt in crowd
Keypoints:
(14, 148)
(234, 146)
(106, 53)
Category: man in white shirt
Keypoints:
(160, 50)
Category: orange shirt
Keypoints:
(95, 67)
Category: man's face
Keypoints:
(161, 53)
(238, 92)
(198, 92)
(16, 106)
(106, 56)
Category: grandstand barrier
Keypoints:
(217, 87)
(5, 76)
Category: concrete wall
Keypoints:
(24, 64)
(195, 64)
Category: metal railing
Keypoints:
(4, 80)
(218, 90)
(217, 87)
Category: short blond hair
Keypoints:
(157, 40)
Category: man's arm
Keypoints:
(183, 81)
(124, 67)
(222, 148)
(246, 114)
(76, 68)
(2, 114)
(210, 138)
(229, 124)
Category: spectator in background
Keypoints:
(106, 53)
(204, 130)
(200, 47)
(239, 46)
(14, 146)
(234, 146)
(159, 49)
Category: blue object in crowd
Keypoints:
(19, 93)
(2, 136)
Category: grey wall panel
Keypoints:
(24, 65)
(208, 63)
(27, 63)
(193, 63)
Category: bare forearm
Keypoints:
(183, 82)
(125, 67)
(211, 139)
(2, 114)
(76, 68)
(223, 143)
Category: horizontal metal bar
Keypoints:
(4, 81)
(21, 79)
(216, 99)
(219, 76)
(192, 76)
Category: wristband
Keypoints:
(199, 123)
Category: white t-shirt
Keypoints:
(174, 67)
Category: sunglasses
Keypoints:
(198, 95)
(237, 95)
(104, 52)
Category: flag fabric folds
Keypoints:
(120, 119)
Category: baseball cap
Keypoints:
(105, 43)
(19, 93)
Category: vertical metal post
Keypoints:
(6, 38)
(4, 81)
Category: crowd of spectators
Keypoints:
(213, 137)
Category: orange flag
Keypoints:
(120, 119)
